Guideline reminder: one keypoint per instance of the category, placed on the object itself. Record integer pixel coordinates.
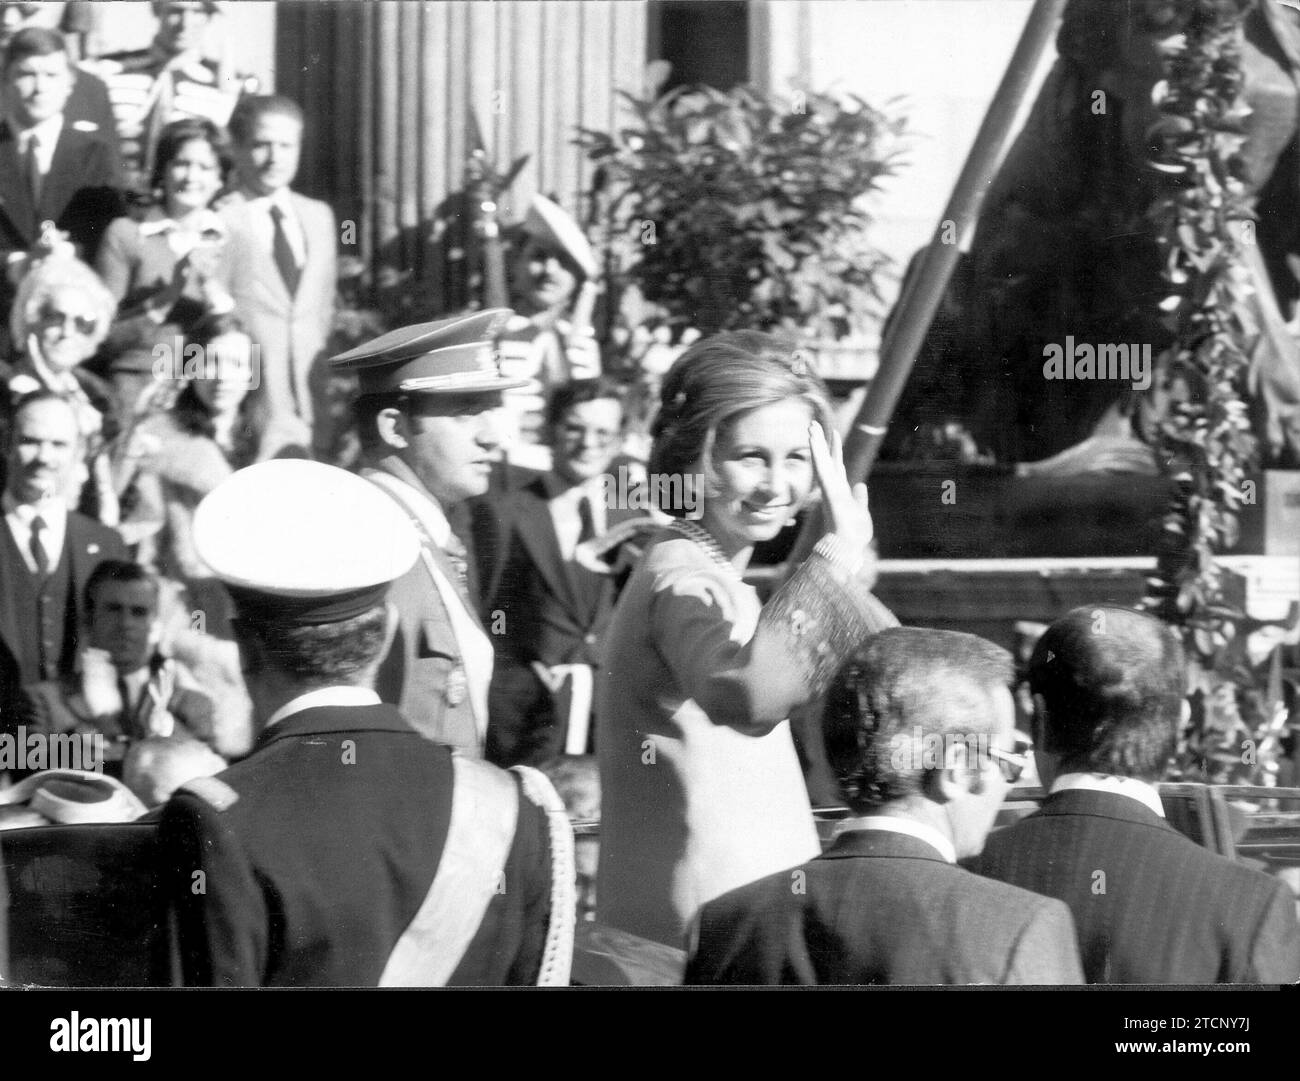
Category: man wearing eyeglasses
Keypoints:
(919, 727)
(1151, 906)
(548, 612)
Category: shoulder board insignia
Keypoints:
(213, 791)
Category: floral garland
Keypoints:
(1203, 435)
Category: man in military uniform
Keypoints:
(429, 425)
(346, 849)
(170, 80)
(549, 341)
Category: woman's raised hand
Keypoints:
(845, 507)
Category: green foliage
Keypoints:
(1203, 434)
(734, 210)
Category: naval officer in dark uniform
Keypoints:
(429, 415)
(347, 849)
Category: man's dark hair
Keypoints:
(34, 41)
(1112, 682)
(322, 654)
(578, 392)
(366, 408)
(115, 570)
(906, 690)
(251, 109)
(34, 397)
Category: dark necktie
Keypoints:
(588, 531)
(37, 547)
(35, 178)
(127, 723)
(283, 253)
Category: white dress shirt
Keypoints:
(565, 516)
(53, 512)
(342, 695)
(1146, 794)
(910, 827)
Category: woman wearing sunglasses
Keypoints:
(58, 321)
(701, 787)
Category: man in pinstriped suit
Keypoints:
(1149, 904)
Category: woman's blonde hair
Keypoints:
(711, 385)
(39, 284)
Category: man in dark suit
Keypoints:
(917, 725)
(125, 691)
(547, 611)
(88, 108)
(47, 551)
(1150, 905)
(49, 169)
(346, 849)
(427, 417)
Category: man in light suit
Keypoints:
(281, 255)
(429, 425)
(552, 611)
(917, 726)
(50, 170)
(1150, 905)
(47, 551)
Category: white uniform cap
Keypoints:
(303, 542)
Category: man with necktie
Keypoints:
(281, 258)
(428, 419)
(47, 551)
(50, 170)
(125, 691)
(551, 609)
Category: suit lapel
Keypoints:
(536, 531)
(11, 565)
(66, 174)
(15, 198)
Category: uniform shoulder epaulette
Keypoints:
(213, 791)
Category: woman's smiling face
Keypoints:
(764, 474)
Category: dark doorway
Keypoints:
(706, 41)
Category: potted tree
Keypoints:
(727, 210)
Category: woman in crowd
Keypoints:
(167, 464)
(165, 271)
(58, 321)
(701, 786)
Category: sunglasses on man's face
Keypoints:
(1012, 765)
(82, 324)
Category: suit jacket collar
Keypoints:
(857, 844)
(61, 182)
(15, 197)
(1110, 805)
(327, 719)
(536, 530)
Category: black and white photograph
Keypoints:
(650, 494)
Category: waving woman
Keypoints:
(701, 786)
